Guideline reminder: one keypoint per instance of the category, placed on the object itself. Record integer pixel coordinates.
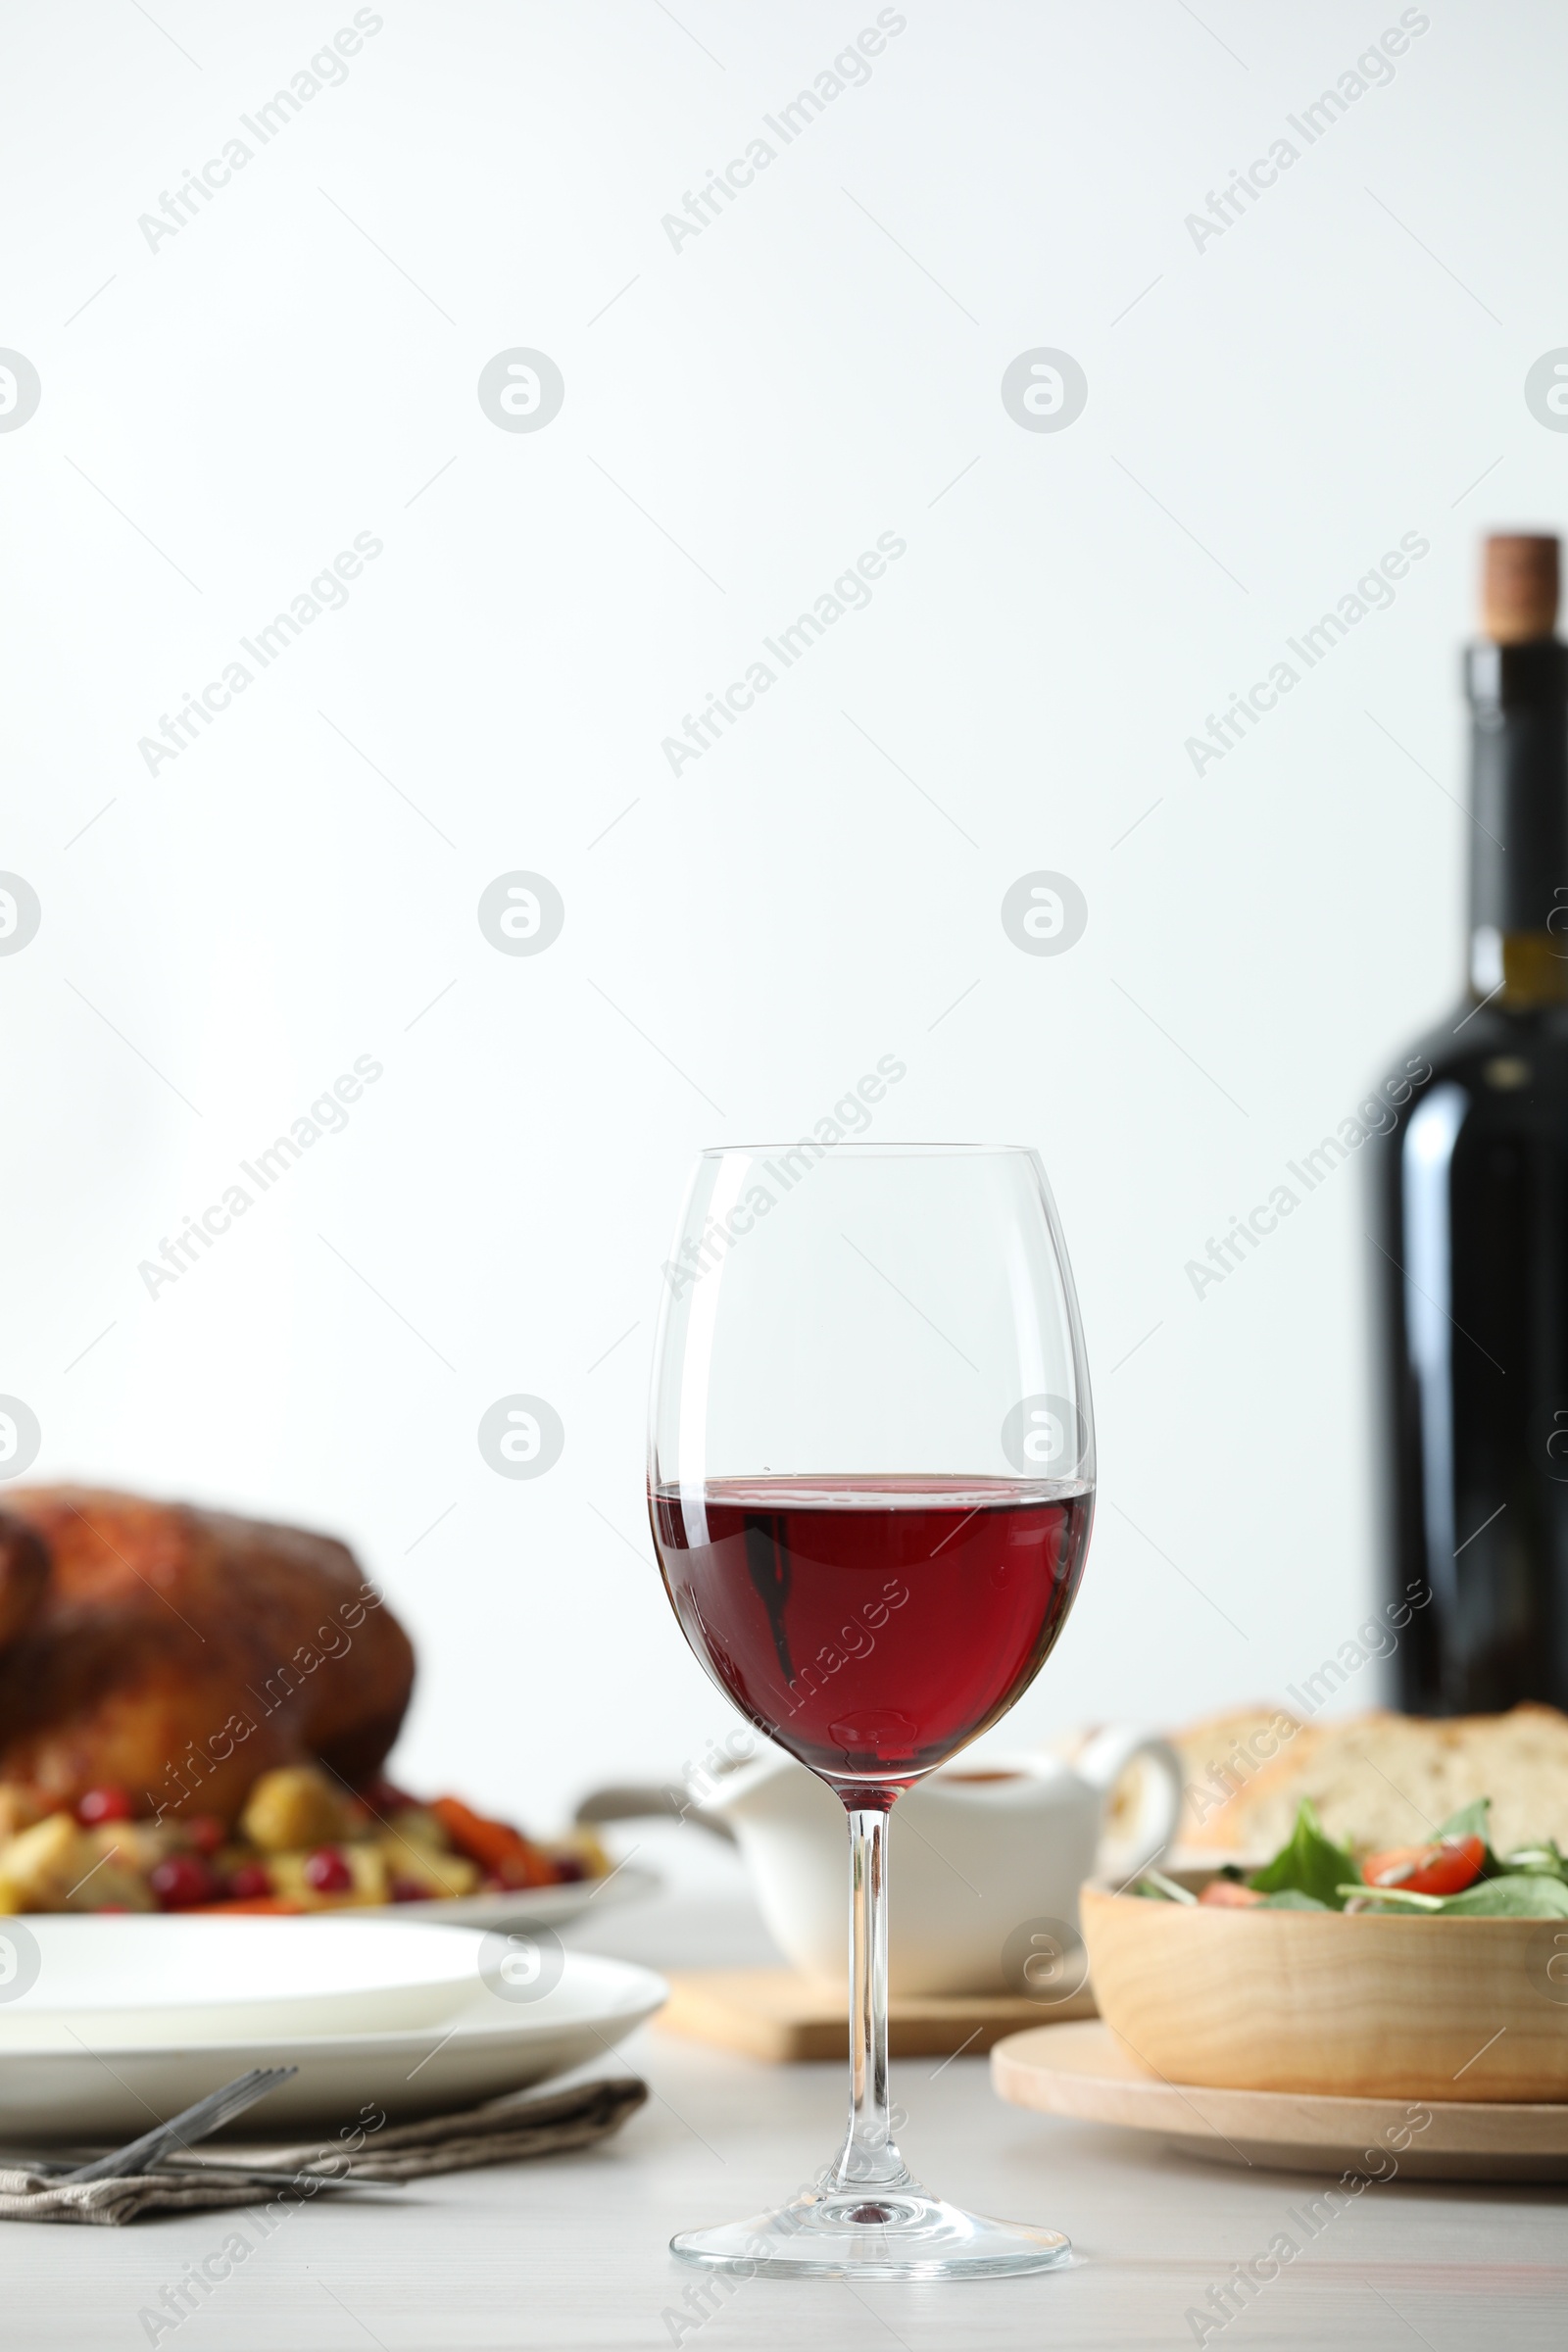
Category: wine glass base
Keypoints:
(877, 2234)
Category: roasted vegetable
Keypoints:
(294, 1806)
(504, 1853)
(304, 1842)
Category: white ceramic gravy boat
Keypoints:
(986, 1862)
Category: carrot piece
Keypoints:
(504, 1852)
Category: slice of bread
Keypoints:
(1221, 1756)
(1377, 1780)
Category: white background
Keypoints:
(821, 366)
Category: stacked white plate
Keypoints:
(108, 2024)
(531, 1906)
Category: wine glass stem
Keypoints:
(871, 2156)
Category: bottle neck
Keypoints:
(1518, 697)
(1520, 970)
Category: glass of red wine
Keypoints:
(871, 1480)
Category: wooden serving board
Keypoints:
(1085, 2071)
(775, 2013)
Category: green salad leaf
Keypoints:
(1311, 1873)
(1392, 1898)
(1471, 1821)
(1531, 1861)
(1546, 1861)
(1309, 1864)
(1164, 1890)
(1522, 1896)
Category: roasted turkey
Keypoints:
(178, 1653)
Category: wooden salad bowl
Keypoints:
(1370, 2006)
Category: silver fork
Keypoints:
(209, 2114)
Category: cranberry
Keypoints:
(103, 1804)
(410, 1890)
(205, 1833)
(181, 1880)
(382, 1795)
(327, 1872)
(249, 1882)
(569, 1868)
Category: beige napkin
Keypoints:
(501, 2131)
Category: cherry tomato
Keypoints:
(249, 1881)
(181, 1880)
(410, 1890)
(103, 1804)
(327, 1872)
(205, 1833)
(1227, 1895)
(1444, 1868)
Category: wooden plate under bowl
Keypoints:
(1084, 2071)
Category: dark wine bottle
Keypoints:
(1471, 1211)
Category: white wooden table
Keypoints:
(572, 2254)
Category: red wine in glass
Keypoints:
(874, 1625)
(870, 1477)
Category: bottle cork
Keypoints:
(1518, 588)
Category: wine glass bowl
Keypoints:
(870, 1484)
(873, 1626)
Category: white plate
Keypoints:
(92, 2088)
(532, 1907)
(134, 1980)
